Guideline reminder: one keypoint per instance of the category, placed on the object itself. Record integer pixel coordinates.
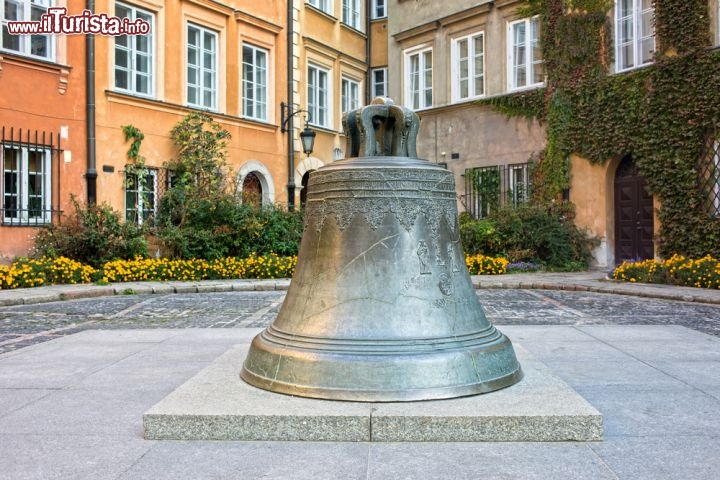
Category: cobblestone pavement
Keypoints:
(25, 325)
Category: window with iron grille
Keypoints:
(27, 185)
(487, 189)
(141, 191)
(25, 11)
(710, 176)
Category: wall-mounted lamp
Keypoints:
(307, 137)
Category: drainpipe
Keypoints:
(291, 106)
(368, 51)
(91, 173)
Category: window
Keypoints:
(468, 56)
(134, 54)
(418, 79)
(634, 36)
(318, 96)
(518, 183)
(24, 11)
(350, 94)
(202, 67)
(379, 82)
(525, 65)
(351, 13)
(140, 194)
(324, 5)
(26, 185)
(255, 82)
(379, 9)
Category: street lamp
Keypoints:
(307, 137)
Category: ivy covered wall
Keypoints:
(666, 115)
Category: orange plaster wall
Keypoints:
(379, 45)
(46, 96)
(591, 190)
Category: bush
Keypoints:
(222, 227)
(534, 234)
(94, 235)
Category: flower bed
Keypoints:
(46, 271)
(676, 270)
(483, 265)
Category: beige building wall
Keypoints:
(255, 146)
(461, 134)
(327, 43)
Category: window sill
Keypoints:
(534, 86)
(46, 66)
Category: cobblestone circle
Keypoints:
(25, 325)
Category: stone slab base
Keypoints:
(217, 405)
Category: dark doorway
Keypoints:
(303, 191)
(252, 190)
(633, 214)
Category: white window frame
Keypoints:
(378, 84)
(352, 13)
(27, 10)
(471, 74)
(630, 35)
(201, 87)
(520, 53)
(379, 9)
(322, 5)
(518, 186)
(143, 192)
(350, 97)
(22, 191)
(255, 82)
(717, 23)
(135, 54)
(319, 96)
(417, 86)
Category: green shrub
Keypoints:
(529, 234)
(93, 235)
(479, 236)
(222, 227)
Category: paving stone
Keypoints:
(253, 460)
(396, 461)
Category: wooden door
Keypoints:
(633, 214)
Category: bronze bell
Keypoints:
(381, 306)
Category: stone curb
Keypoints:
(27, 296)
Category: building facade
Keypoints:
(449, 55)
(220, 58)
(42, 125)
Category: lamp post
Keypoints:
(307, 137)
